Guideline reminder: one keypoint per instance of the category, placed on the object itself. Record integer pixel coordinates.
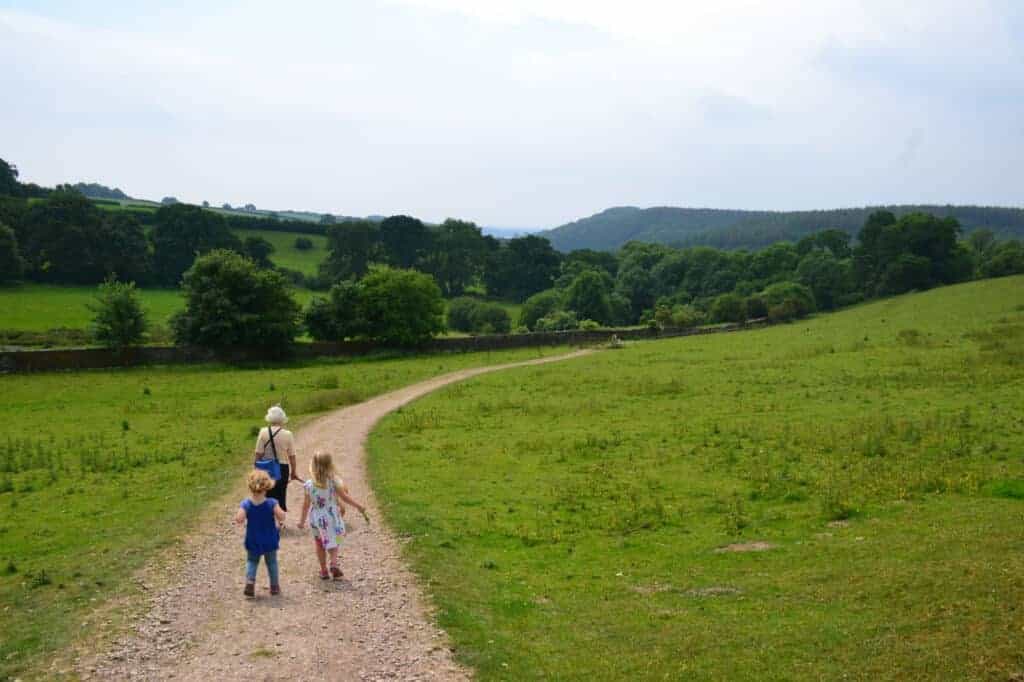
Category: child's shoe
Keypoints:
(324, 575)
(275, 589)
(336, 573)
(250, 590)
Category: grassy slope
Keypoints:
(565, 517)
(103, 475)
(286, 255)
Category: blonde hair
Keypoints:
(321, 468)
(260, 482)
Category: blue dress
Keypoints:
(261, 534)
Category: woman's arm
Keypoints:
(280, 514)
(305, 510)
(260, 446)
(291, 461)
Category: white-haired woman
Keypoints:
(277, 442)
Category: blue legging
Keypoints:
(253, 562)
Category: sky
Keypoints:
(519, 113)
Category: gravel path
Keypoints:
(374, 625)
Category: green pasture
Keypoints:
(571, 520)
(102, 469)
(286, 255)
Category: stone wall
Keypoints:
(97, 358)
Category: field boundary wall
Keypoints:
(99, 358)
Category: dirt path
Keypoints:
(373, 625)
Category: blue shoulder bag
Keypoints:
(271, 466)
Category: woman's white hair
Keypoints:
(276, 416)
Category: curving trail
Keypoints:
(374, 625)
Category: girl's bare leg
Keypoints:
(321, 555)
(334, 556)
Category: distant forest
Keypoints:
(733, 229)
(95, 190)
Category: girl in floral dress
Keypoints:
(322, 510)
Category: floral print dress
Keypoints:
(324, 516)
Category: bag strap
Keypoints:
(270, 434)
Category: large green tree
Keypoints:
(231, 302)
(119, 320)
(404, 240)
(401, 307)
(456, 256)
(351, 248)
(12, 265)
(180, 233)
(588, 296)
(521, 267)
(9, 185)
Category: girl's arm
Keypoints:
(305, 510)
(342, 495)
(240, 516)
(280, 514)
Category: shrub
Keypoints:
(118, 318)
(540, 305)
(756, 307)
(337, 317)
(589, 325)
(560, 320)
(229, 301)
(588, 295)
(401, 307)
(491, 318)
(303, 244)
(686, 316)
(461, 312)
(729, 308)
(784, 312)
(295, 277)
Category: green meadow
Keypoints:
(286, 255)
(838, 498)
(102, 469)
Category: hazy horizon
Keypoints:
(519, 114)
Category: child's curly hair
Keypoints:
(260, 481)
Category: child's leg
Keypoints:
(271, 559)
(321, 555)
(252, 562)
(334, 556)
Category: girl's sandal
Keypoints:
(324, 575)
(336, 573)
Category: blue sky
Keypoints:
(520, 112)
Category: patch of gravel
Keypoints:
(759, 546)
(373, 625)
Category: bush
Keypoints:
(756, 307)
(799, 296)
(230, 302)
(402, 307)
(784, 312)
(118, 318)
(303, 244)
(461, 312)
(589, 325)
(540, 305)
(686, 316)
(491, 318)
(295, 277)
(558, 321)
(729, 308)
(337, 317)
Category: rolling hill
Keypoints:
(735, 229)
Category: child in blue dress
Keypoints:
(322, 510)
(260, 515)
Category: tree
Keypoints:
(491, 318)
(9, 185)
(328, 219)
(66, 238)
(588, 296)
(180, 233)
(521, 267)
(796, 299)
(1005, 258)
(558, 321)
(635, 279)
(226, 206)
(401, 307)
(337, 317)
(119, 320)
(169, 201)
(303, 244)
(540, 305)
(404, 240)
(12, 265)
(230, 302)
(461, 312)
(729, 308)
(351, 247)
(206, 204)
(456, 256)
(259, 250)
(829, 278)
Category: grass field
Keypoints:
(286, 255)
(569, 519)
(102, 469)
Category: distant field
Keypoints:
(286, 255)
(103, 469)
(569, 520)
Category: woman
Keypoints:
(283, 446)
